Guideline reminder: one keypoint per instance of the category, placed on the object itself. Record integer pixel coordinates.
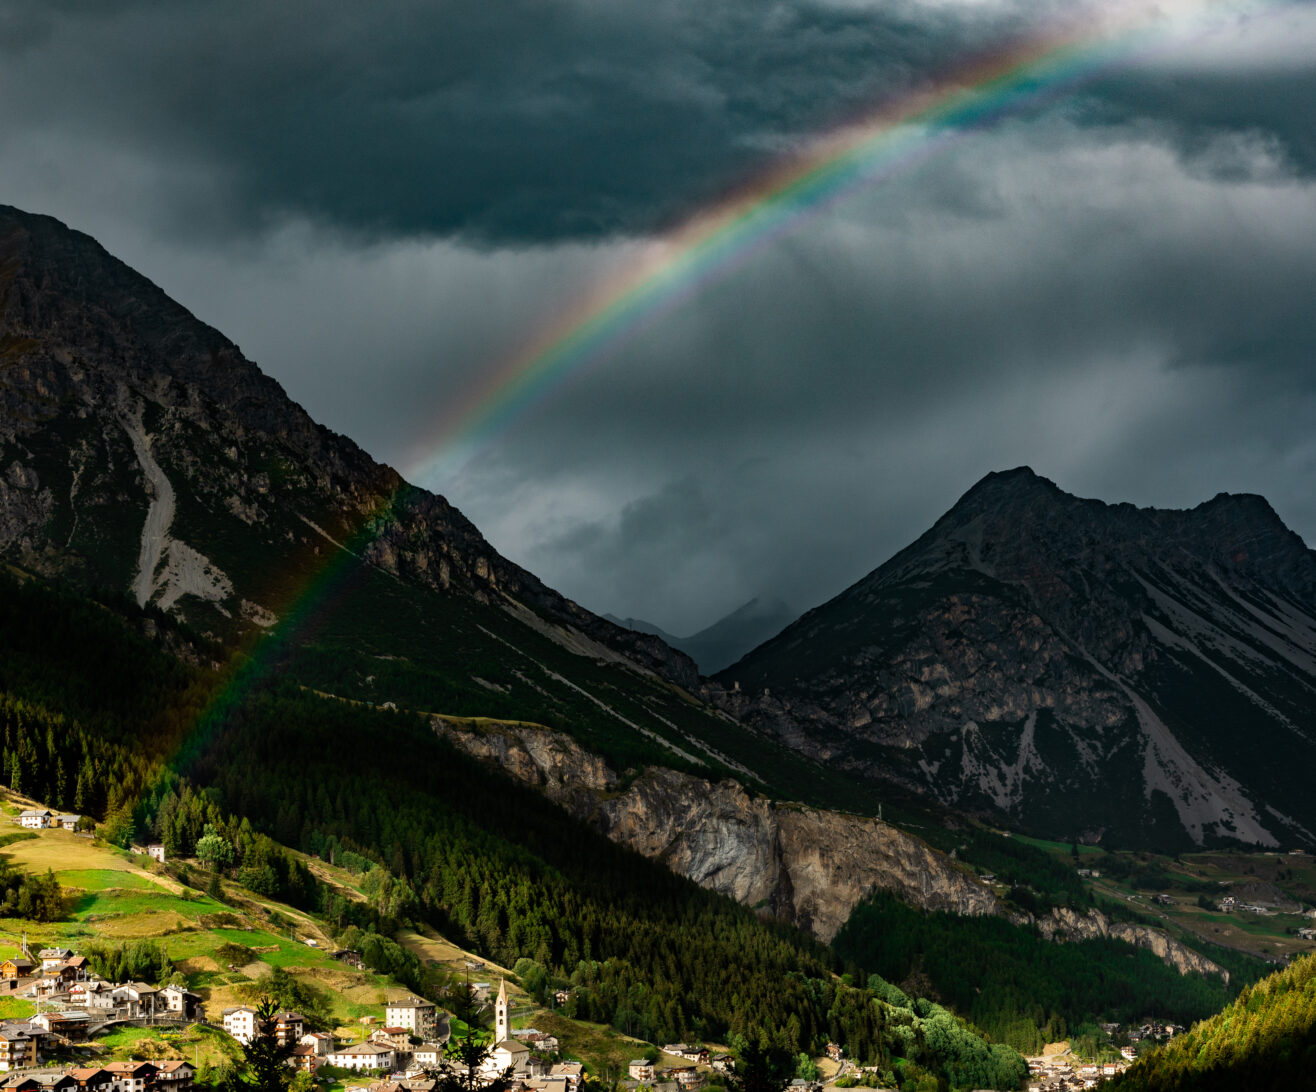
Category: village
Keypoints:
(404, 1050)
(401, 1048)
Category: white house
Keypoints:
(36, 818)
(640, 1069)
(363, 1056)
(241, 1023)
(428, 1055)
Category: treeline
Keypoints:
(37, 898)
(1040, 991)
(131, 961)
(1266, 1039)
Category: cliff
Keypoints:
(1066, 924)
(796, 863)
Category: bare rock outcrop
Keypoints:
(1065, 923)
(796, 863)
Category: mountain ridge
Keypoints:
(1007, 655)
(82, 327)
(723, 642)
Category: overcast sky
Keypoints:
(381, 202)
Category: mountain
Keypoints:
(1080, 669)
(142, 454)
(725, 641)
(216, 613)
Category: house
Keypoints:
(363, 1056)
(92, 1079)
(240, 1022)
(570, 1071)
(303, 1056)
(723, 1063)
(52, 958)
(18, 967)
(175, 1076)
(133, 1076)
(419, 1017)
(427, 1055)
(640, 1069)
(66, 822)
(289, 1027)
(834, 1051)
(154, 850)
(319, 1041)
(100, 996)
(52, 1080)
(36, 818)
(75, 969)
(137, 997)
(537, 1040)
(561, 997)
(398, 1038)
(696, 1054)
(180, 1001)
(16, 1049)
(686, 1076)
(71, 1025)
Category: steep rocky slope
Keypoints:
(798, 864)
(136, 442)
(1090, 670)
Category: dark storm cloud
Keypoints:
(515, 121)
(382, 201)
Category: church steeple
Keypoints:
(502, 1014)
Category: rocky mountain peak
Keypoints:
(1087, 668)
(139, 449)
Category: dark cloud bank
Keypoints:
(379, 200)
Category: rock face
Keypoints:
(798, 864)
(1096, 671)
(140, 450)
(1067, 924)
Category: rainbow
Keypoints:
(711, 245)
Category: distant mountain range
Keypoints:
(1091, 671)
(729, 638)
